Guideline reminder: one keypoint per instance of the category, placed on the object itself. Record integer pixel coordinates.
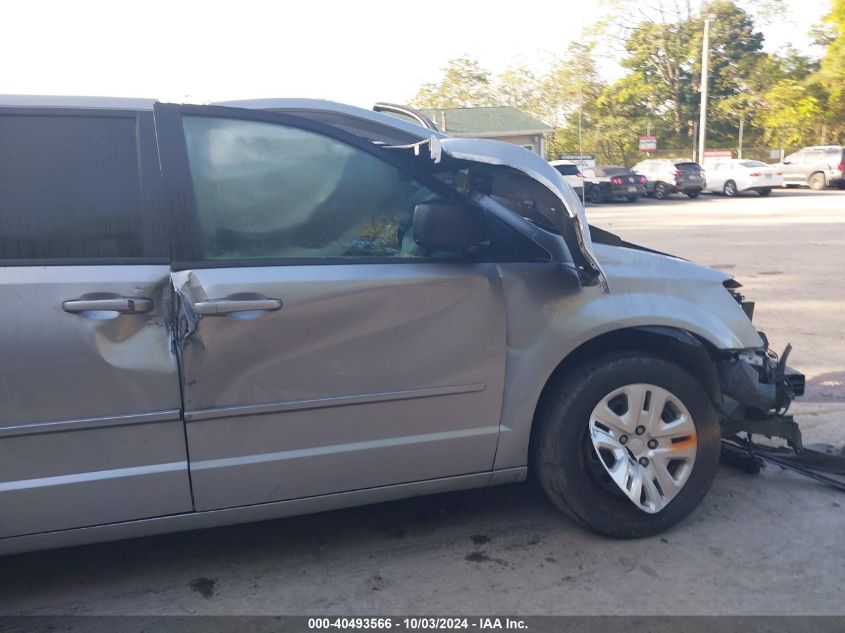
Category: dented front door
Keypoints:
(309, 380)
(321, 352)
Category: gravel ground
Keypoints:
(770, 544)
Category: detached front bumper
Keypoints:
(757, 389)
(760, 380)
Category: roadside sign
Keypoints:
(648, 143)
(582, 160)
(711, 155)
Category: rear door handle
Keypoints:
(124, 305)
(222, 307)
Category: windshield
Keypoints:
(753, 163)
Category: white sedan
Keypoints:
(731, 176)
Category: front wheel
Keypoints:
(627, 445)
(765, 191)
(660, 191)
(729, 189)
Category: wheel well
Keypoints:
(687, 350)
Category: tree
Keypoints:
(520, 88)
(622, 116)
(750, 102)
(663, 51)
(660, 56)
(464, 84)
(830, 77)
(792, 115)
(571, 80)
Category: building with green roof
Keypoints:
(501, 123)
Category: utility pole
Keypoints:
(739, 146)
(705, 71)
(695, 155)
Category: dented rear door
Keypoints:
(90, 427)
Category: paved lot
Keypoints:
(758, 545)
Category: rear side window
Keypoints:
(69, 188)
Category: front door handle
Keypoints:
(222, 307)
(123, 305)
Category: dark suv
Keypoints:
(665, 176)
(817, 167)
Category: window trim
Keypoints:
(186, 241)
(154, 224)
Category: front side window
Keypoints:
(69, 188)
(269, 191)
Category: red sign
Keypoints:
(718, 153)
(648, 143)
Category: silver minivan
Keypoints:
(214, 314)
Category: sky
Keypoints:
(356, 52)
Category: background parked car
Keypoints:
(571, 174)
(609, 182)
(816, 167)
(731, 176)
(665, 176)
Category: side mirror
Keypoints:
(453, 227)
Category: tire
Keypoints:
(817, 181)
(692, 195)
(569, 467)
(632, 198)
(765, 191)
(595, 195)
(660, 191)
(729, 189)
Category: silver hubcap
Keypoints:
(645, 438)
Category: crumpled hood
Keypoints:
(573, 217)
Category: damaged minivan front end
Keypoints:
(754, 385)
